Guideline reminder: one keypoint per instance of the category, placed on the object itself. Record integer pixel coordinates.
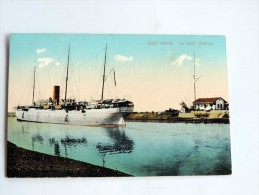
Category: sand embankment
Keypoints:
(192, 117)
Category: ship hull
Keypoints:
(91, 117)
(125, 111)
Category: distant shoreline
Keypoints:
(168, 118)
(179, 120)
(162, 118)
(25, 163)
(11, 114)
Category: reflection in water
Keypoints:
(177, 149)
(56, 149)
(121, 142)
(55, 143)
(25, 128)
(52, 142)
(103, 158)
(23, 131)
(37, 138)
(73, 143)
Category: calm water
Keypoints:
(139, 149)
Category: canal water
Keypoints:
(139, 149)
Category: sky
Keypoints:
(154, 71)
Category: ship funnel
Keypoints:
(56, 91)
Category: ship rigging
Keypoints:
(98, 112)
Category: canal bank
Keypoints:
(191, 117)
(26, 163)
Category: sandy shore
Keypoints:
(168, 118)
(26, 163)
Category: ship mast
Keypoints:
(67, 72)
(33, 85)
(194, 77)
(104, 71)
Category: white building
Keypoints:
(216, 103)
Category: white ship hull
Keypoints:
(90, 117)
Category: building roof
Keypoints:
(207, 100)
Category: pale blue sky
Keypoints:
(154, 71)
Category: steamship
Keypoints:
(68, 111)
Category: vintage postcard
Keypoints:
(101, 105)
